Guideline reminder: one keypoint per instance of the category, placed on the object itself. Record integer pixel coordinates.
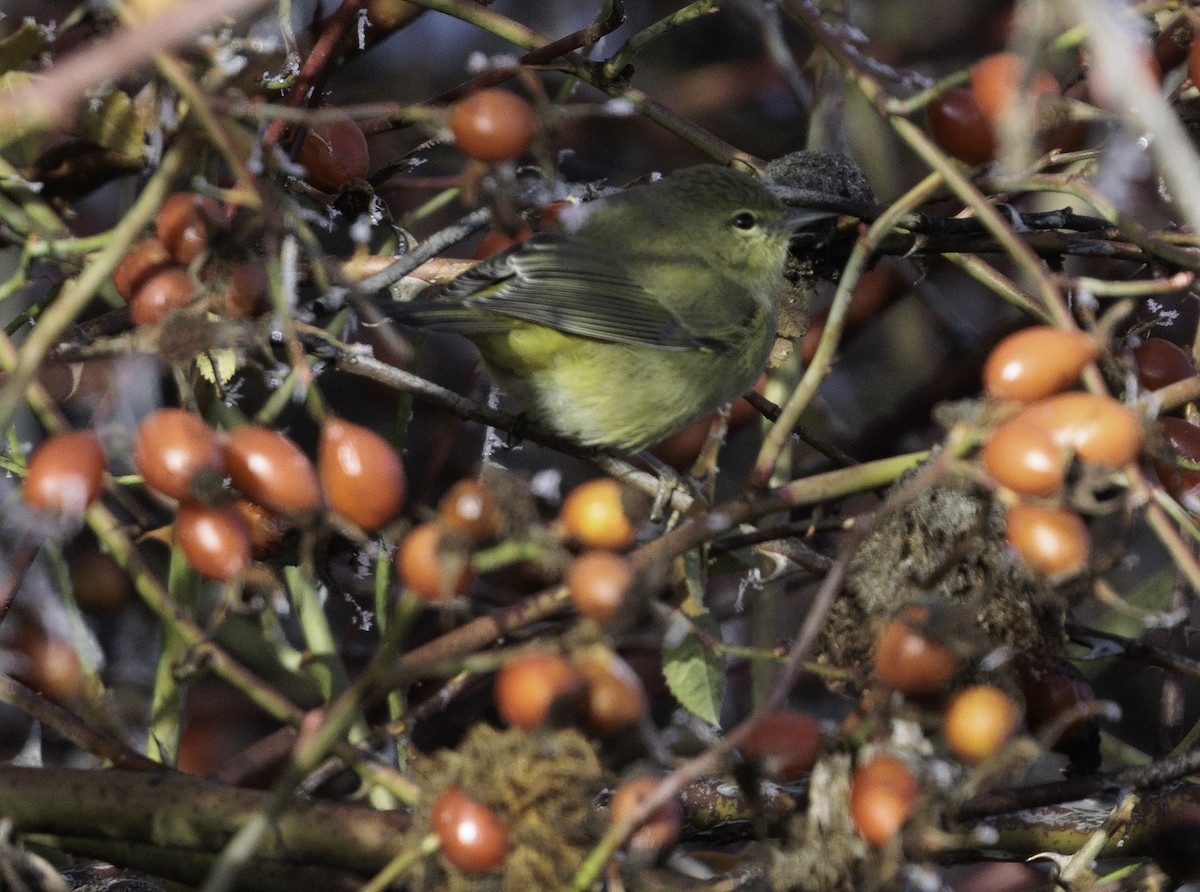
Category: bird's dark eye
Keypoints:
(745, 220)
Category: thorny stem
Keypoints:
(1139, 650)
(427, 250)
(1012, 244)
(1157, 245)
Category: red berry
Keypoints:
(615, 698)
(1182, 482)
(1099, 429)
(661, 828)
(470, 507)
(784, 744)
(241, 290)
(492, 125)
(160, 293)
(883, 794)
(599, 581)
(214, 540)
(1053, 541)
(530, 684)
(1175, 845)
(979, 721)
(1036, 362)
(142, 261)
(908, 659)
(334, 153)
(472, 838)
(184, 222)
(268, 468)
(171, 447)
(961, 128)
(429, 572)
(53, 667)
(1171, 47)
(1061, 701)
(1160, 362)
(1025, 458)
(65, 473)
(362, 474)
(1000, 80)
(594, 515)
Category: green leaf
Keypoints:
(695, 673)
(110, 121)
(217, 366)
(1149, 597)
(20, 137)
(1152, 595)
(22, 45)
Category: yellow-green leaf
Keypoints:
(20, 135)
(109, 120)
(695, 674)
(217, 366)
(27, 41)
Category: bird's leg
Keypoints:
(704, 468)
(670, 481)
(700, 481)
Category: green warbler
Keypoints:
(654, 311)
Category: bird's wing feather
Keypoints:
(564, 284)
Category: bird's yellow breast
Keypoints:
(630, 396)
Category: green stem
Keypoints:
(611, 70)
(402, 863)
(986, 274)
(166, 703)
(322, 661)
(492, 22)
(32, 215)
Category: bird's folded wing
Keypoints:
(564, 284)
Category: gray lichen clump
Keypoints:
(945, 548)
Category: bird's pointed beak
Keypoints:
(801, 217)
